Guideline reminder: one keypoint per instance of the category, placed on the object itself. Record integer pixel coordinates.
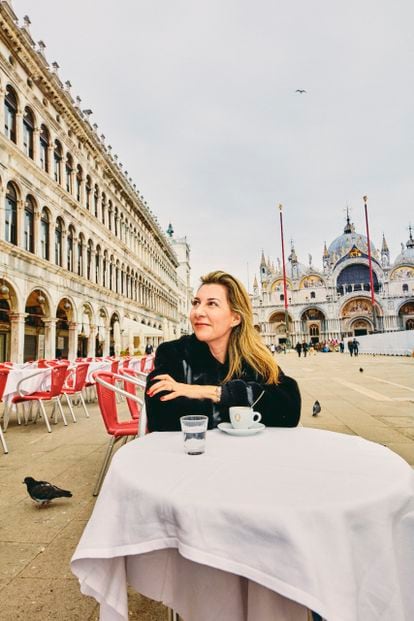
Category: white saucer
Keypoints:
(228, 428)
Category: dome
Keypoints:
(407, 253)
(343, 244)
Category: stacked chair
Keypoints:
(4, 371)
(58, 375)
(74, 385)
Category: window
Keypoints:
(58, 241)
(79, 178)
(96, 200)
(89, 260)
(10, 232)
(68, 170)
(282, 297)
(312, 294)
(28, 241)
(57, 162)
(10, 112)
(70, 242)
(110, 215)
(44, 150)
(116, 222)
(28, 132)
(44, 234)
(80, 255)
(103, 207)
(88, 190)
(111, 273)
(97, 263)
(104, 268)
(405, 287)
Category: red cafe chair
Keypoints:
(107, 391)
(147, 364)
(4, 372)
(58, 375)
(74, 384)
(130, 386)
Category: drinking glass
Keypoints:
(194, 429)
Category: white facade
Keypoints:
(335, 302)
(85, 269)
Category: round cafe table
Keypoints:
(258, 528)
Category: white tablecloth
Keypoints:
(41, 381)
(101, 365)
(324, 519)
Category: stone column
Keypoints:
(2, 210)
(105, 348)
(36, 231)
(2, 96)
(17, 336)
(20, 222)
(91, 340)
(75, 255)
(50, 338)
(36, 149)
(64, 249)
(19, 130)
(73, 340)
(50, 162)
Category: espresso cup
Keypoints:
(243, 417)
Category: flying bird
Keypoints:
(300, 90)
(43, 492)
(316, 408)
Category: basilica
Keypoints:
(335, 302)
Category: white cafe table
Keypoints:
(258, 528)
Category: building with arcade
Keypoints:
(85, 268)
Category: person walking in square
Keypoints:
(355, 346)
(298, 348)
(350, 347)
(304, 348)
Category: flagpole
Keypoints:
(284, 275)
(371, 278)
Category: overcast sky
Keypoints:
(198, 100)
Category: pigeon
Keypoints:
(43, 492)
(361, 370)
(316, 408)
(300, 90)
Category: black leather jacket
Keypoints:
(190, 361)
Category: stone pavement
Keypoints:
(36, 544)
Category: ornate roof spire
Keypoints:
(255, 284)
(410, 243)
(384, 247)
(348, 225)
(325, 250)
(262, 260)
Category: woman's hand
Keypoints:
(176, 389)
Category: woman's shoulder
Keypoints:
(178, 347)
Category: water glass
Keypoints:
(194, 429)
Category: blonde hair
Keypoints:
(245, 343)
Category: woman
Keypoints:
(224, 363)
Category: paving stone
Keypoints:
(36, 544)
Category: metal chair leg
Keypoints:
(45, 418)
(62, 413)
(70, 407)
(105, 465)
(3, 441)
(84, 405)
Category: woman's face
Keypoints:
(211, 316)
